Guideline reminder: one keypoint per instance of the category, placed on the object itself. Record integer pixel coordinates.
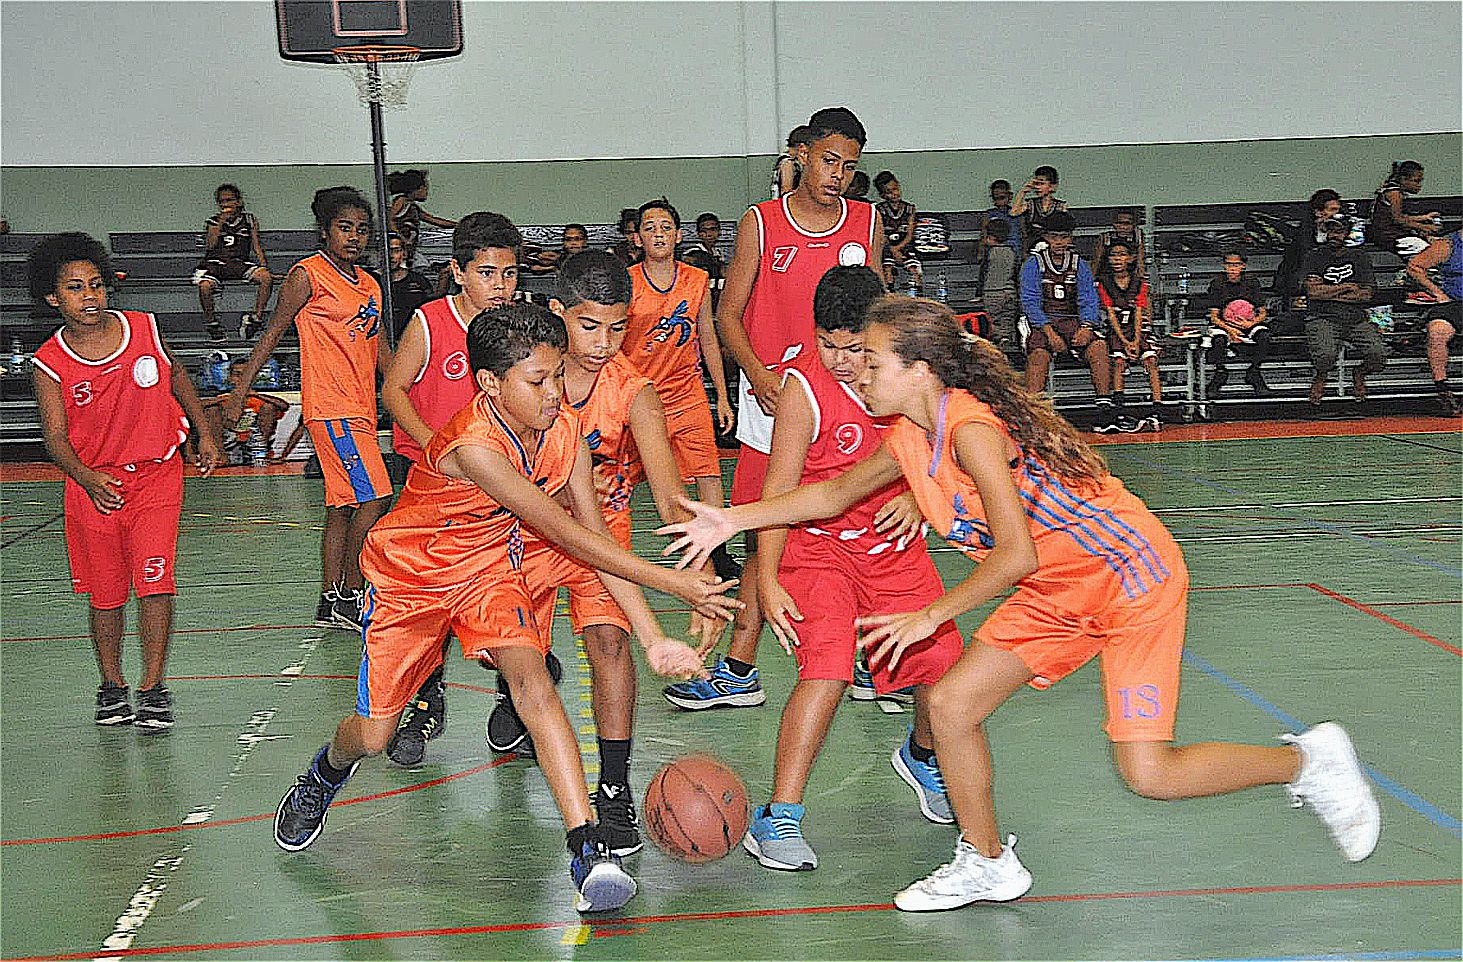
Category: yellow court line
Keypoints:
(575, 935)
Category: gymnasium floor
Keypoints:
(1327, 586)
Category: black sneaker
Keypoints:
(346, 612)
(249, 327)
(215, 331)
(1448, 404)
(505, 730)
(424, 719)
(725, 567)
(1256, 381)
(325, 610)
(1127, 425)
(112, 705)
(614, 809)
(301, 813)
(600, 879)
(1217, 380)
(154, 710)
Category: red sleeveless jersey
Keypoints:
(445, 384)
(119, 410)
(844, 433)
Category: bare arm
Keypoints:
(293, 294)
(792, 435)
(1425, 260)
(741, 276)
(1018, 203)
(1347, 293)
(103, 489)
(436, 221)
(182, 387)
(211, 229)
(256, 243)
(401, 371)
(647, 427)
(908, 231)
(876, 247)
(711, 355)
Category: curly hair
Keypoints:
(926, 330)
(47, 258)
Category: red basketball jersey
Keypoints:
(119, 410)
(445, 384)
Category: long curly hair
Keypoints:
(926, 330)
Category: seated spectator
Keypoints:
(249, 439)
(858, 187)
(1000, 209)
(1043, 203)
(1391, 228)
(409, 289)
(1237, 318)
(1125, 229)
(996, 282)
(232, 252)
(1339, 286)
(1289, 281)
(897, 216)
(409, 188)
(1123, 294)
(785, 169)
(1445, 318)
(574, 239)
(1060, 302)
(627, 248)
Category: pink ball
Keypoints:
(1239, 311)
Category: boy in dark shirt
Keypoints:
(1237, 316)
(409, 289)
(1339, 285)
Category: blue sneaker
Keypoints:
(301, 813)
(862, 688)
(775, 838)
(721, 690)
(599, 878)
(927, 782)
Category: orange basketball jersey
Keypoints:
(338, 327)
(446, 531)
(661, 339)
(1093, 539)
(604, 418)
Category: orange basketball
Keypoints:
(696, 809)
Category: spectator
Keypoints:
(1043, 203)
(627, 248)
(996, 281)
(574, 239)
(409, 289)
(1391, 228)
(1124, 228)
(786, 171)
(1059, 299)
(703, 253)
(232, 252)
(409, 188)
(1339, 286)
(1237, 317)
(1000, 209)
(1289, 282)
(1123, 293)
(897, 216)
(858, 187)
(1445, 319)
(4, 225)
(250, 439)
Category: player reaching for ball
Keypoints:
(818, 579)
(449, 557)
(1094, 574)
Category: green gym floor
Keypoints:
(1326, 573)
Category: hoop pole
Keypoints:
(383, 208)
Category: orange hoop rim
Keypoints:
(376, 53)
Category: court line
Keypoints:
(32, 530)
(646, 920)
(1421, 444)
(1397, 956)
(1384, 617)
(1398, 791)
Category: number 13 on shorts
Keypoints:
(1141, 702)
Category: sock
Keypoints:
(327, 771)
(1443, 387)
(739, 668)
(920, 753)
(577, 838)
(614, 761)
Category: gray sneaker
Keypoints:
(926, 780)
(775, 838)
(1331, 780)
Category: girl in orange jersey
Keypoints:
(1007, 481)
(336, 308)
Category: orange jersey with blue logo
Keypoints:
(662, 338)
(446, 531)
(338, 327)
(604, 418)
(1093, 539)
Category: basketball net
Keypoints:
(382, 73)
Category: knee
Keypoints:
(1440, 330)
(376, 734)
(1149, 774)
(263, 278)
(949, 711)
(1323, 361)
(206, 287)
(532, 691)
(606, 644)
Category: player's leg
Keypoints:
(332, 549)
(1440, 332)
(1119, 365)
(1366, 339)
(1323, 344)
(1155, 382)
(264, 285)
(613, 690)
(107, 626)
(1093, 348)
(1038, 360)
(356, 489)
(207, 288)
(734, 681)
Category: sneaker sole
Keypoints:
(862, 694)
(630, 850)
(897, 760)
(749, 699)
(152, 726)
(115, 721)
(605, 889)
(293, 846)
(750, 846)
(923, 903)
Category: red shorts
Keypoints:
(693, 439)
(748, 477)
(405, 628)
(132, 548)
(350, 459)
(546, 569)
(1139, 643)
(833, 587)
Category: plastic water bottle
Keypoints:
(913, 287)
(1184, 284)
(942, 291)
(17, 355)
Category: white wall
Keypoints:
(189, 83)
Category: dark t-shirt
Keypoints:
(1350, 265)
(408, 294)
(1222, 290)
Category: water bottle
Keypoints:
(913, 287)
(17, 356)
(942, 292)
(1184, 284)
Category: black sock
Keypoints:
(614, 761)
(739, 668)
(333, 775)
(919, 752)
(1443, 387)
(577, 837)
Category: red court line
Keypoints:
(176, 631)
(616, 926)
(1412, 604)
(1383, 616)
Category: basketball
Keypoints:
(696, 809)
(1239, 311)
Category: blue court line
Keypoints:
(1342, 530)
(1407, 797)
(1377, 956)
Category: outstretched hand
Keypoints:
(780, 611)
(674, 659)
(899, 518)
(709, 526)
(707, 594)
(893, 634)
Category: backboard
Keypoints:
(311, 30)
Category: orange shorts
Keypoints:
(350, 459)
(405, 628)
(546, 569)
(692, 436)
(1139, 643)
(619, 525)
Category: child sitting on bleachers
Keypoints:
(897, 216)
(1125, 229)
(1123, 293)
(996, 282)
(1237, 316)
(1392, 228)
(232, 252)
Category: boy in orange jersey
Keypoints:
(335, 307)
(624, 430)
(450, 557)
(112, 404)
(670, 336)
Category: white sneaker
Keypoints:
(1331, 779)
(969, 877)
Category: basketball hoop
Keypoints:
(382, 72)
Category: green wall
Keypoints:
(104, 199)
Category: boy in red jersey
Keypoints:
(449, 557)
(112, 403)
(784, 247)
(818, 579)
(336, 308)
